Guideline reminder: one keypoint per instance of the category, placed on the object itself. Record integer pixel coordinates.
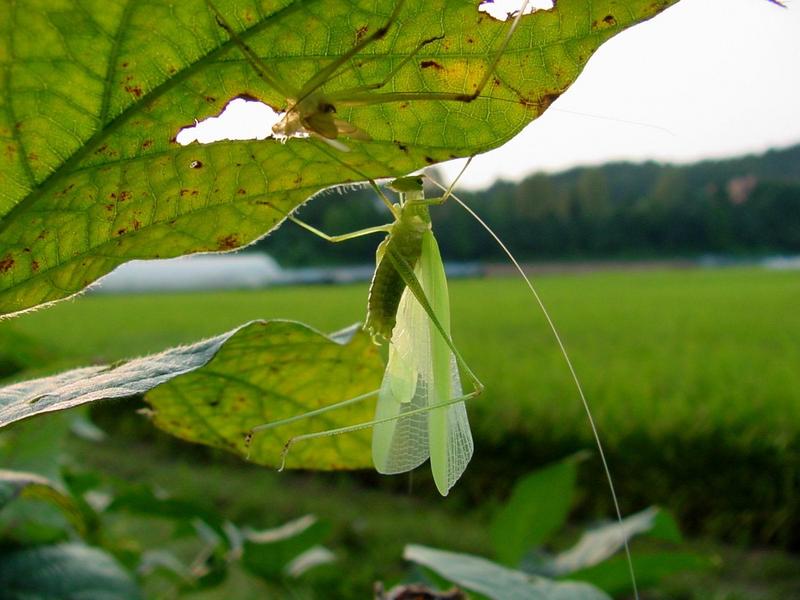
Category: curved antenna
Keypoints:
(573, 373)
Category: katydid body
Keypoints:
(420, 412)
(417, 418)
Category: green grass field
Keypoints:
(693, 376)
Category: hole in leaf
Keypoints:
(503, 10)
(241, 119)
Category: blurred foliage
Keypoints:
(19, 353)
(537, 509)
(736, 206)
(82, 554)
(64, 571)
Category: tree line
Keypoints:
(748, 205)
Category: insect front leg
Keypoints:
(335, 239)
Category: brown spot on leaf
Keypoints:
(361, 32)
(298, 180)
(146, 144)
(35, 265)
(33, 157)
(136, 225)
(195, 164)
(229, 242)
(609, 20)
(248, 97)
(6, 263)
(42, 235)
(122, 231)
(430, 160)
(546, 100)
(241, 191)
(125, 195)
(470, 40)
(135, 90)
(210, 99)
(427, 64)
(109, 207)
(26, 250)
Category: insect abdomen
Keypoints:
(384, 298)
(387, 284)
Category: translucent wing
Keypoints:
(402, 444)
(422, 372)
(450, 438)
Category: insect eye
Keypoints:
(327, 107)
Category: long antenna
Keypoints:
(572, 371)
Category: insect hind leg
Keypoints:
(368, 424)
(306, 415)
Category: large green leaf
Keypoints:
(64, 572)
(495, 581)
(222, 387)
(93, 93)
(284, 373)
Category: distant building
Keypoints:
(198, 272)
(235, 271)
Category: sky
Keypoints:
(704, 79)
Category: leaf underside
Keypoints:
(213, 392)
(495, 581)
(93, 93)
